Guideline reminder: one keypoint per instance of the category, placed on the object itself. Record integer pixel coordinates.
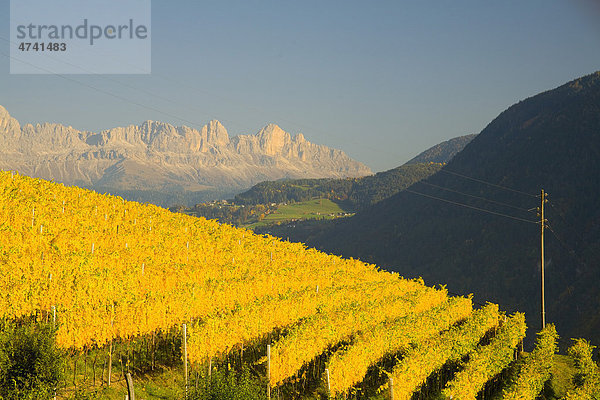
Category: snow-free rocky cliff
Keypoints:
(156, 156)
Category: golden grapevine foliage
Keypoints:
(219, 333)
(312, 337)
(535, 369)
(118, 269)
(114, 268)
(349, 365)
(587, 379)
(488, 361)
(431, 354)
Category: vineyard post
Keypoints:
(53, 317)
(130, 392)
(391, 388)
(103, 368)
(269, 371)
(185, 364)
(328, 383)
(75, 370)
(110, 361)
(153, 336)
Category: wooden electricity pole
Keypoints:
(542, 225)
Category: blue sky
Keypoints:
(382, 80)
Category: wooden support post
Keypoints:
(328, 384)
(185, 361)
(110, 347)
(130, 392)
(75, 370)
(153, 341)
(391, 388)
(269, 372)
(94, 369)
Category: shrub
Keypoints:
(30, 363)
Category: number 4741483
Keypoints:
(50, 46)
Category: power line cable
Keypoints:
(566, 247)
(487, 183)
(572, 229)
(472, 207)
(475, 197)
(104, 91)
(118, 82)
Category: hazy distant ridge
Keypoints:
(443, 152)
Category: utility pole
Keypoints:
(544, 199)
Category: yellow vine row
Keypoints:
(449, 346)
(535, 369)
(219, 333)
(349, 365)
(311, 338)
(587, 379)
(488, 361)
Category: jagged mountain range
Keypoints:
(157, 156)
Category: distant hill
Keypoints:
(443, 152)
(549, 141)
(355, 194)
(162, 163)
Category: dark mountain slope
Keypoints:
(549, 141)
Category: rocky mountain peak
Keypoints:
(4, 113)
(160, 157)
(215, 133)
(272, 139)
(9, 127)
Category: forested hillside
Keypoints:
(354, 193)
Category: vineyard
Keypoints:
(109, 274)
